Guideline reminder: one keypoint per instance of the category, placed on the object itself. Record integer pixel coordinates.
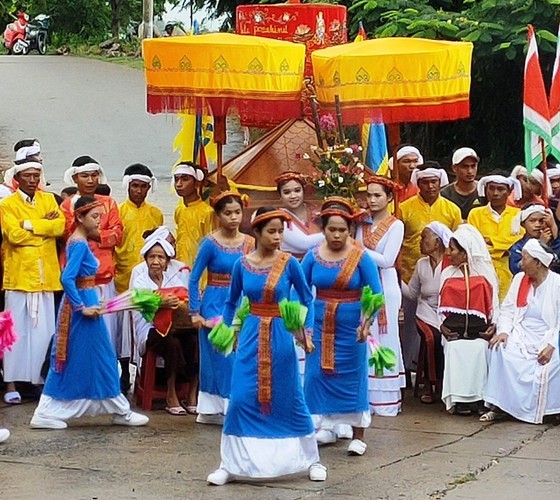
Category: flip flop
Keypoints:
(427, 399)
(191, 409)
(175, 410)
(12, 398)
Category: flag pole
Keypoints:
(544, 168)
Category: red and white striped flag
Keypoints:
(536, 113)
(555, 104)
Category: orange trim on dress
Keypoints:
(331, 306)
(264, 360)
(218, 279)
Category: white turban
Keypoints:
(189, 170)
(161, 232)
(532, 209)
(152, 181)
(554, 172)
(152, 242)
(535, 174)
(441, 231)
(407, 150)
(440, 173)
(535, 250)
(16, 169)
(511, 182)
(88, 167)
(27, 151)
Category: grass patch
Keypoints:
(467, 478)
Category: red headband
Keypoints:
(88, 207)
(384, 181)
(291, 176)
(243, 198)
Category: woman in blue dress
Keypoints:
(83, 378)
(336, 373)
(268, 431)
(218, 252)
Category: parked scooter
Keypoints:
(20, 37)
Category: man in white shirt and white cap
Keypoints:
(463, 192)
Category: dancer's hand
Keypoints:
(198, 321)
(91, 312)
(363, 330)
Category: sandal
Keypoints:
(462, 409)
(191, 409)
(491, 416)
(427, 399)
(175, 410)
(12, 398)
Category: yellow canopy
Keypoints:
(395, 79)
(222, 70)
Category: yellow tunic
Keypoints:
(416, 214)
(30, 257)
(135, 222)
(498, 229)
(193, 222)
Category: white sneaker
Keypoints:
(317, 472)
(357, 447)
(219, 477)
(38, 422)
(4, 435)
(131, 419)
(325, 436)
(211, 419)
(344, 431)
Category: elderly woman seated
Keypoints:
(424, 287)
(524, 373)
(468, 305)
(175, 347)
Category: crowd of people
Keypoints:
(467, 270)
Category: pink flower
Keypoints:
(327, 123)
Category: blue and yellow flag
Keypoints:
(374, 144)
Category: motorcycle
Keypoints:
(20, 37)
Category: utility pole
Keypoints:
(147, 19)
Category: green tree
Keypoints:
(498, 30)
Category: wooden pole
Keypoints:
(339, 119)
(147, 19)
(315, 114)
(220, 140)
(544, 168)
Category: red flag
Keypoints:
(555, 104)
(536, 114)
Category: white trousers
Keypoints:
(34, 323)
(67, 410)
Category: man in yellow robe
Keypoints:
(425, 207)
(416, 213)
(31, 221)
(137, 217)
(498, 223)
(194, 218)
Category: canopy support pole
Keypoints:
(220, 140)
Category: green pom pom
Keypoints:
(293, 314)
(148, 302)
(383, 359)
(371, 302)
(222, 337)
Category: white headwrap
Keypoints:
(480, 262)
(88, 167)
(441, 231)
(161, 232)
(440, 173)
(535, 174)
(532, 209)
(511, 182)
(407, 150)
(16, 169)
(27, 151)
(152, 242)
(188, 170)
(152, 181)
(535, 250)
(554, 172)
